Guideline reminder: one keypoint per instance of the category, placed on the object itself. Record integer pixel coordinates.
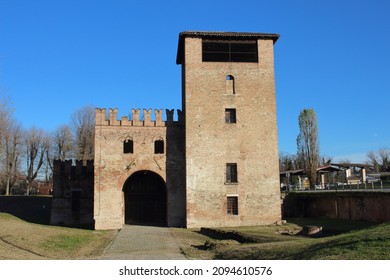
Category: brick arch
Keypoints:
(145, 199)
(137, 167)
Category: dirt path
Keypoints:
(143, 243)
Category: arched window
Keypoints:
(159, 146)
(128, 146)
(230, 87)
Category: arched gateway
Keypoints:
(145, 199)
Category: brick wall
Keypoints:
(251, 142)
(113, 167)
(365, 206)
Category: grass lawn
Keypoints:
(341, 240)
(21, 240)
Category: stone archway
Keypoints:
(145, 199)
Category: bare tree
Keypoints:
(380, 160)
(385, 159)
(373, 160)
(12, 142)
(37, 144)
(63, 142)
(326, 160)
(5, 115)
(10, 134)
(308, 144)
(62, 146)
(287, 162)
(290, 162)
(83, 126)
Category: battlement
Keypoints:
(111, 119)
(67, 168)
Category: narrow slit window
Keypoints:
(231, 173)
(232, 205)
(230, 88)
(159, 147)
(230, 115)
(128, 146)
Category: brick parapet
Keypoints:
(67, 168)
(102, 119)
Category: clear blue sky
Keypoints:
(333, 56)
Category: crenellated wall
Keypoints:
(228, 126)
(113, 167)
(72, 193)
(150, 118)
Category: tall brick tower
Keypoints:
(228, 93)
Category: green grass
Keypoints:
(67, 242)
(345, 240)
(354, 242)
(372, 243)
(351, 240)
(23, 240)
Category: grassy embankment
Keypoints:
(24, 241)
(341, 240)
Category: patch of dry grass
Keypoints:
(192, 243)
(341, 240)
(20, 240)
(352, 240)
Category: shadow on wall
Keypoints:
(358, 206)
(33, 209)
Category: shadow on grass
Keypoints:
(335, 226)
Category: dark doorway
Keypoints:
(145, 199)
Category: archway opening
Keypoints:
(145, 199)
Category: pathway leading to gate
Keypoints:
(143, 243)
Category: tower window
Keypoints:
(231, 173)
(232, 205)
(159, 147)
(230, 115)
(229, 51)
(128, 146)
(230, 89)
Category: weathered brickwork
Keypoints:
(217, 165)
(211, 143)
(113, 167)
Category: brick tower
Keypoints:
(231, 154)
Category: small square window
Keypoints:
(232, 205)
(159, 147)
(128, 147)
(231, 172)
(230, 115)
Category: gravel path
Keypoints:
(143, 243)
